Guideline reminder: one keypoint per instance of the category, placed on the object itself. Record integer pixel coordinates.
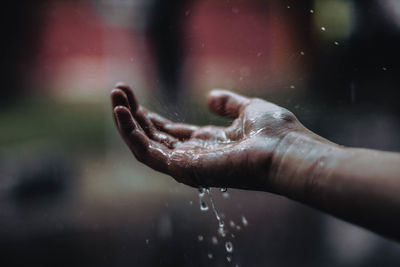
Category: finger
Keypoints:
(226, 103)
(178, 130)
(119, 98)
(125, 121)
(151, 131)
(145, 150)
(133, 103)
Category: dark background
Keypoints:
(71, 194)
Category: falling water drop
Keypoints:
(229, 247)
(203, 205)
(244, 221)
(323, 28)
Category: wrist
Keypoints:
(301, 163)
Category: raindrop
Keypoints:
(203, 206)
(292, 86)
(229, 259)
(336, 43)
(244, 221)
(200, 238)
(202, 190)
(384, 68)
(323, 28)
(223, 189)
(210, 256)
(287, 7)
(225, 195)
(190, 202)
(238, 227)
(302, 53)
(229, 247)
(311, 11)
(232, 224)
(147, 241)
(214, 240)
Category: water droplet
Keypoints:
(202, 190)
(214, 240)
(225, 195)
(147, 241)
(287, 7)
(323, 28)
(233, 235)
(210, 256)
(190, 202)
(238, 227)
(244, 221)
(302, 53)
(229, 247)
(223, 189)
(232, 224)
(200, 238)
(311, 11)
(221, 224)
(336, 43)
(292, 86)
(203, 206)
(384, 68)
(229, 259)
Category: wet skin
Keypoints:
(238, 156)
(266, 149)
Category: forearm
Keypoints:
(358, 185)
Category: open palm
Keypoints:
(235, 156)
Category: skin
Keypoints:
(265, 149)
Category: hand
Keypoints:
(238, 156)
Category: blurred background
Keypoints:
(71, 193)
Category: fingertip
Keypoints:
(121, 84)
(226, 103)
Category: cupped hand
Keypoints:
(238, 156)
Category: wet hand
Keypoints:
(238, 156)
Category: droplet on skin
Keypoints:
(244, 221)
(323, 28)
(229, 247)
(200, 238)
